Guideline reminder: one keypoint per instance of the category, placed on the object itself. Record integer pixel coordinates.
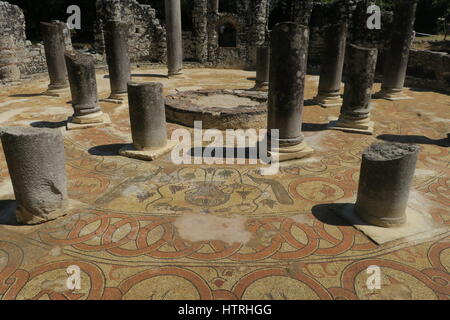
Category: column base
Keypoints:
(12, 214)
(357, 126)
(328, 101)
(178, 75)
(392, 95)
(261, 87)
(147, 155)
(55, 92)
(73, 123)
(117, 98)
(295, 152)
(418, 228)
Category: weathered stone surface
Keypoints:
(224, 109)
(116, 33)
(54, 44)
(355, 110)
(9, 70)
(289, 49)
(262, 68)
(360, 78)
(387, 171)
(36, 164)
(147, 115)
(288, 63)
(396, 62)
(174, 37)
(332, 65)
(83, 86)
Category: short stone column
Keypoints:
(174, 37)
(54, 45)
(9, 71)
(397, 54)
(355, 110)
(288, 63)
(262, 68)
(116, 34)
(332, 66)
(36, 164)
(387, 172)
(83, 86)
(148, 122)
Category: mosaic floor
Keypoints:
(155, 230)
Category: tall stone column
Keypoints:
(355, 110)
(9, 71)
(36, 164)
(262, 68)
(116, 46)
(174, 37)
(387, 172)
(148, 122)
(54, 46)
(397, 54)
(83, 86)
(332, 66)
(288, 64)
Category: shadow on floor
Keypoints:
(234, 153)
(150, 75)
(310, 102)
(107, 150)
(25, 95)
(8, 213)
(49, 124)
(251, 79)
(326, 213)
(311, 127)
(415, 139)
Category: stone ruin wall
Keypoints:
(147, 40)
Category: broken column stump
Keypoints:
(289, 51)
(262, 68)
(387, 172)
(54, 45)
(116, 34)
(355, 110)
(148, 122)
(36, 164)
(83, 86)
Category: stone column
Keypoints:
(288, 63)
(54, 45)
(148, 122)
(116, 34)
(36, 164)
(83, 85)
(355, 110)
(332, 66)
(387, 172)
(174, 37)
(262, 68)
(9, 71)
(397, 54)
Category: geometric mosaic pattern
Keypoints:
(155, 230)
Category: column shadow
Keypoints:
(8, 213)
(327, 213)
(49, 124)
(25, 95)
(445, 142)
(107, 150)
